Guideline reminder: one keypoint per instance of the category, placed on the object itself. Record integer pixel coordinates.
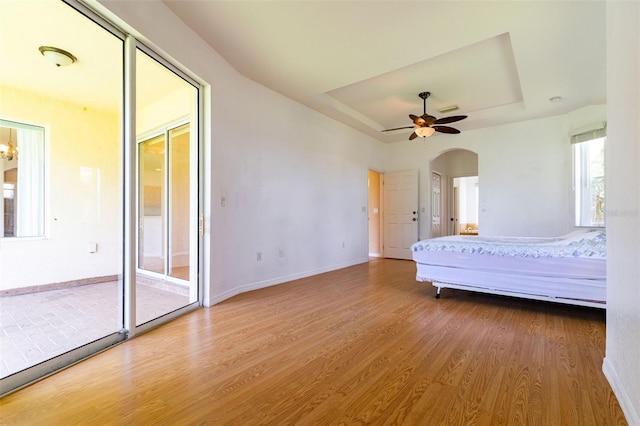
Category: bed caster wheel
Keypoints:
(437, 295)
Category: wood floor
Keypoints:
(362, 345)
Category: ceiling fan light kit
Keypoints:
(426, 125)
(425, 132)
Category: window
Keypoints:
(22, 178)
(588, 160)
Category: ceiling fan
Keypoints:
(425, 125)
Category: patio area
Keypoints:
(38, 326)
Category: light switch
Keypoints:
(93, 247)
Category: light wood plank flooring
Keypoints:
(362, 345)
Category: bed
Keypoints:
(567, 269)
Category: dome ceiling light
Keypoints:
(60, 57)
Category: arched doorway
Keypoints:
(453, 193)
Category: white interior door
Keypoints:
(455, 220)
(400, 213)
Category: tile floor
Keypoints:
(38, 326)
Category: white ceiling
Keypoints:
(94, 81)
(364, 62)
(360, 62)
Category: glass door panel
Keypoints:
(66, 290)
(167, 190)
(61, 264)
(151, 216)
(179, 193)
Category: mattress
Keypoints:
(571, 266)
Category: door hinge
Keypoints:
(201, 225)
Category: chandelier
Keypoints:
(8, 150)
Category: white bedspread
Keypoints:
(572, 266)
(583, 243)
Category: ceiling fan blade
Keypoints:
(452, 119)
(398, 128)
(418, 121)
(445, 129)
(413, 136)
(429, 120)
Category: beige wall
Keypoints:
(170, 107)
(180, 201)
(79, 209)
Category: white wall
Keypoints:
(524, 172)
(622, 153)
(297, 182)
(294, 181)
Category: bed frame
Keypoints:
(570, 269)
(593, 304)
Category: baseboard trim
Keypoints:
(58, 286)
(279, 280)
(632, 417)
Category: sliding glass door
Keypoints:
(167, 191)
(61, 263)
(164, 189)
(100, 174)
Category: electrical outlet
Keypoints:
(343, 245)
(259, 256)
(280, 253)
(223, 203)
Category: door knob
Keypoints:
(414, 219)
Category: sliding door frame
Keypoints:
(127, 291)
(165, 133)
(131, 189)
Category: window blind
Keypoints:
(589, 135)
